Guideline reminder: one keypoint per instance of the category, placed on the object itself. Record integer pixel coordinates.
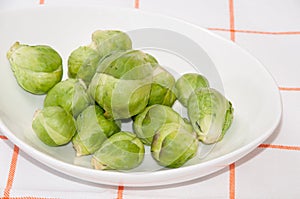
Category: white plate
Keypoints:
(246, 83)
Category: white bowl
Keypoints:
(180, 46)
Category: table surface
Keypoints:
(269, 30)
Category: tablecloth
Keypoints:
(269, 30)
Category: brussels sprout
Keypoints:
(152, 118)
(173, 145)
(92, 130)
(187, 84)
(70, 94)
(107, 41)
(129, 65)
(210, 113)
(54, 126)
(36, 68)
(162, 88)
(122, 151)
(82, 63)
(122, 83)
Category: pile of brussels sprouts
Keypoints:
(108, 83)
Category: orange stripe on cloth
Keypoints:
(231, 14)
(257, 32)
(120, 192)
(289, 89)
(12, 170)
(137, 4)
(3, 137)
(232, 181)
(284, 147)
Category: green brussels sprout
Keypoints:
(122, 83)
(187, 84)
(173, 145)
(129, 65)
(122, 151)
(36, 68)
(54, 126)
(210, 113)
(70, 94)
(162, 88)
(92, 130)
(82, 63)
(146, 123)
(107, 41)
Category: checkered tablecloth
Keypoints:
(269, 30)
